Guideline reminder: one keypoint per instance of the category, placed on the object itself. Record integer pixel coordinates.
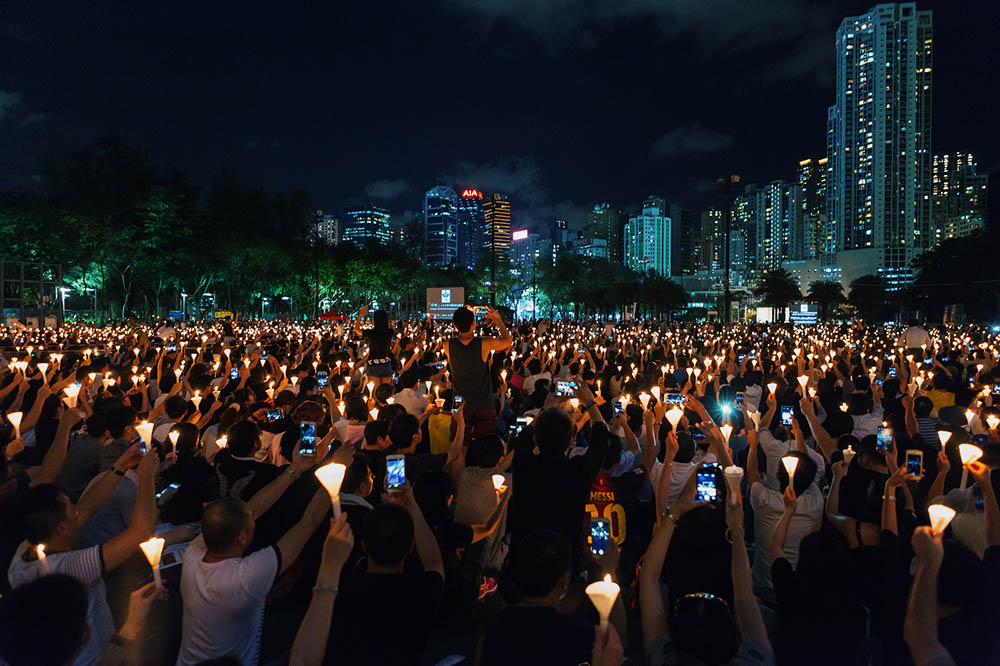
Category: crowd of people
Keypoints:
(747, 494)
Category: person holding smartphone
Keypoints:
(468, 355)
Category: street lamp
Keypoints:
(290, 304)
(63, 291)
(184, 311)
(264, 300)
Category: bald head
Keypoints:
(223, 521)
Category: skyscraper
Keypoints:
(647, 238)
(879, 138)
(606, 221)
(364, 221)
(683, 239)
(440, 226)
(496, 219)
(471, 229)
(712, 252)
(959, 196)
(779, 225)
(812, 181)
(327, 228)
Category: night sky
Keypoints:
(558, 103)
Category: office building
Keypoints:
(879, 138)
(531, 254)
(363, 221)
(607, 222)
(711, 256)
(779, 225)
(440, 227)
(744, 219)
(471, 228)
(647, 238)
(595, 248)
(496, 222)
(327, 228)
(812, 181)
(683, 241)
(959, 196)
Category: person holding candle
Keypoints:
(391, 531)
(223, 588)
(195, 476)
(533, 631)
(49, 518)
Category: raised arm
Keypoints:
(265, 498)
(291, 542)
(311, 639)
(55, 457)
(427, 546)
(777, 547)
(920, 629)
(745, 606)
(981, 473)
(140, 527)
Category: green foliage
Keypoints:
(825, 294)
(870, 295)
(960, 271)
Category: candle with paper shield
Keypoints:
(145, 430)
(969, 453)
(72, 395)
(940, 516)
(849, 454)
(727, 430)
(790, 463)
(43, 368)
(993, 421)
(222, 442)
(772, 387)
(674, 416)
(603, 594)
(944, 436)
(196, 399)
(803, 380)
(15, 420)
(173, 435)
(498, 481)
(153, 549)
(332, 476)
(644, 400)
(40, 551)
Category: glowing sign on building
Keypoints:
(472, 194)
(520, 234)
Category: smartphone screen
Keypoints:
(520, 423)
(273, 415)
(600, 532)
(706, 489)
(739, 399)
(395, 472)
(322, 377)
(619, 407)
(171, 487)
(914, 462)
(786, 415)
(456, 403)
(884, 440)
(675, 399)
(892, 372)
(565, 389)
(878, 382)
(996, 389)
(307, 433)
(234, 373)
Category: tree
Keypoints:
(870, 295)
(825, 293)
(779, 290)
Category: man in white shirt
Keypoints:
(914, 337)
(775, 448)
(223, 590)
(53, 521)
(413, 403)
(768, 507)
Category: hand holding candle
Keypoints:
(153, 549)
(40, 551)
(603, 594)
(332, 476)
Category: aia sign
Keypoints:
(472, 194)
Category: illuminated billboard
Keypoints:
(520, 234)
(443, 301)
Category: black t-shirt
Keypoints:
(198, 484)
(526, 635)
(378, 342)
(383, 619)
(616, 499)
(242, 478)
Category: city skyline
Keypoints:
(554, 152)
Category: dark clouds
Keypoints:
(691, 139)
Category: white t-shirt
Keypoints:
(224, 604)
(768, 507)
(529, 382)
(87, 566)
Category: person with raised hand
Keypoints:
(920, 629)
(223, 588)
